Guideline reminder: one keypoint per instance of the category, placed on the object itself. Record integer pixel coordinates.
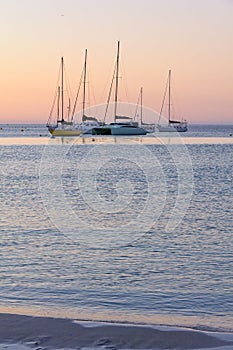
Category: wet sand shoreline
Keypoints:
(56, 333)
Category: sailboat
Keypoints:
(147, 126)
(126, 126)
(173, 125)
(88, 122)
(63, 127)
(68, 127)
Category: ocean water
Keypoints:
(118, 231)
(39, 130)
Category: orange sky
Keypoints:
(192, 37)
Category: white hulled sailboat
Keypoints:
(173, 125)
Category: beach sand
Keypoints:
(40, 333)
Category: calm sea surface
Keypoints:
(128, 232)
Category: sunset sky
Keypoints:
(193, 38)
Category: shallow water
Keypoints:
(84, 230)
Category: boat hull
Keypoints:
(163, 128)
(168, 128)
(128, 131)
(119, 131)
(181, 128)
(65, 132)
(101, 131)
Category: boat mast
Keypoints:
(169, 96)
(62, 90)
(117, 73)
(68, 110)
(84, 83)
(58, 104)
(141, 104)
